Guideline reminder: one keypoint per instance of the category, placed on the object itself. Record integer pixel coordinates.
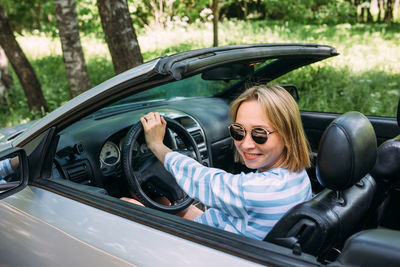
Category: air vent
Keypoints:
(78, 173)
(197, 136)
(193, 127)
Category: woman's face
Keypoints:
(258, 156)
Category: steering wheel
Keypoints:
(146, 175)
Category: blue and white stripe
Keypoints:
(5, 170)
(248, 204)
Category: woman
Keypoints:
(7, 167)
(269, 137)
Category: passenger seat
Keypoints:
(386, 173)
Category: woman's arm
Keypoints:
(6, 168)
(154, 130)
(213, 187)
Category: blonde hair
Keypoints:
(284, 115)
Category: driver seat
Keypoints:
(346, 154)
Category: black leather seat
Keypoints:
(386, 173)
(346, 154)
(387, 167)
(376, 247)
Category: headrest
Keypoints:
(347, 151)
(387, 167)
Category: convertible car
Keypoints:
(61, 205)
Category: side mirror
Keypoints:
(13, 171)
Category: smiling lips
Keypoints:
(250, 156)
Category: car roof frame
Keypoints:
(189, 63)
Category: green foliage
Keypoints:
(30, 15)
(328, 89)
(191, 9)
(38, 15)
(365, 76)
(166, 13)
(89, 19)
(100, 69)
(51, 73)
(311, 11)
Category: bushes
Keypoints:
(311, 11)
(338, 90)
(365, 76)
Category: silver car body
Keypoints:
(41, 226)
(51, 230)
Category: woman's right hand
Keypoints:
(154, 131)
(154, 127)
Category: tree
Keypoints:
(5, 76)
(162, 11)
(163, 14)
(215, 10)
(366, 11)
(21, 65)
(74, 60)
(30, 15)
(120, 34)
(388, 11)
(380, 8)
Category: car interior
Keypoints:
(354, 176)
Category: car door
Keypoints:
(44, 223)
(58, 224)
(42, 228)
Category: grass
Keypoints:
(365, 76)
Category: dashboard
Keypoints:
(89, 151)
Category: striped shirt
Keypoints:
(247, 204)
(5, 170)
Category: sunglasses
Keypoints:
(258, 134)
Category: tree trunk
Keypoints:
(245, 10)
(215, 22)
(120, 34)
(357, 4)
(389, 11)
(369, 15)
(362, 14)
(5, 76)
(74, 60)
(380, 7)
(21, 65)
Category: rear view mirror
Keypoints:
(13, 171)
(292, 89)
(237, 71)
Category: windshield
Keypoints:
(190, 87)
(211, 82)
